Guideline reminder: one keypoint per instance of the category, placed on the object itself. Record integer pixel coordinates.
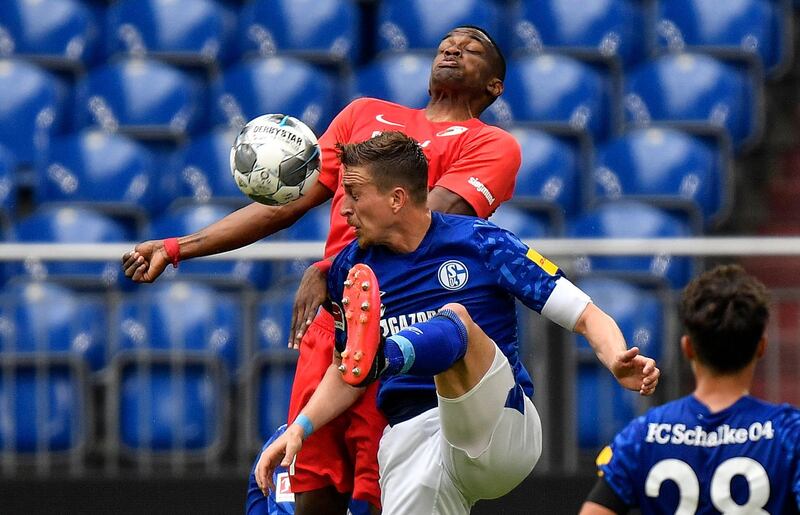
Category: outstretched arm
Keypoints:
(332, 397)
(243, 227)
(633, 371)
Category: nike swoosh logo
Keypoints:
(387, 122)
(452, 131)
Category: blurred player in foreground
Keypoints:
(718, 450)
(473, 167)
(281, 500)
(458, 399)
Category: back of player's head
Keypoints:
(393, 159)
(725, 311)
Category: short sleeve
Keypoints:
(617, 463)
(338, 132)
(519, 270)
(485, 171)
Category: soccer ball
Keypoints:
(275, 159)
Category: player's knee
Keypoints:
(461, 312)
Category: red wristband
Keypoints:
(173, 250)
(323, 265)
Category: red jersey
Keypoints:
(477, 162)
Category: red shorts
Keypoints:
(344, 452)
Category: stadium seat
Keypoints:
(8, 183)
(313, 226)
(594, 29)
(274, 317)
(550, 175)
(55, 33)
(145, 98)
(663, 166)
(181, 317)
(191, 32)
(638, 311)
(69, 225)
(161, 407)
(603, 406)
(629, 219)
(45, 407)
(399, 78)
(31, 109)
(555, 92)
(524, 224)
(696, 92)
(745, 28)
(203, 171)
(420, 24)
(188, 219)
(276, 85)
(49, 319)
(327, 30)
(104, 171)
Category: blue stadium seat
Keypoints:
(181, 317)
(695, 92)
(276, 85)
(273, 319)
(168, 408)
(556, 92)
(605, 29)
(638, 311)
(31, 109)
(313, 226)
(421, 24)
(191, 32)
(144, 97)
(399, 78)
(188, 219)
(666, 167)
(69, 225)
(55, 33)
(8, 183)
(602, 405)
(328, 30)
(550, 175)
(629, 219)
(203, 170)
(524, 224)
(746, 28)
(44, 407)
(49, 319)
(106, 171)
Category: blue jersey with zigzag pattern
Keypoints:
(461, 259)
(682, 458)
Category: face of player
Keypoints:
(463, 58)
(366, 208)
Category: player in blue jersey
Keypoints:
(280, 501)
(718, 450)
(436, 324)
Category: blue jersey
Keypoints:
(461, 259)
(681, 458)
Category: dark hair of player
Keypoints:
(725, 311)
(498, 62)
(393, 159)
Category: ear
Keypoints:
(762, 347)
(495, 88)
(686, 347)
(398, 199)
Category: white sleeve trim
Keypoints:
(566, 304)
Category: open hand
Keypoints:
(310, 295)
(280, 452)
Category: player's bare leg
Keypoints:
(323, 501)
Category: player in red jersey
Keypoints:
(472, 169)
